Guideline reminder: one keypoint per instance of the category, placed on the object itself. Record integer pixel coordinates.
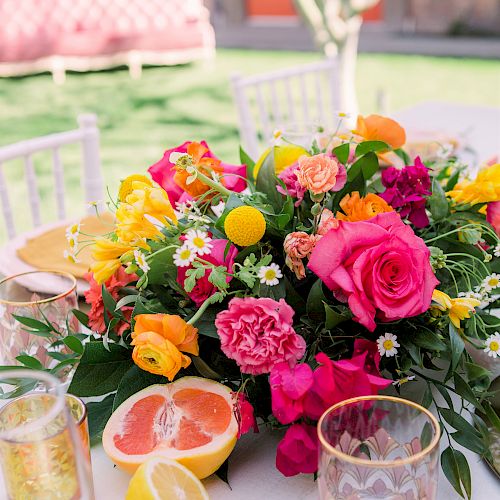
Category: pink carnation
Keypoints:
(379, 265)
(293, 187)
(93, 296)
(258, 333)
(203, 288)
(335, 381)
(289, 386)
(163, 173)
(298, 451)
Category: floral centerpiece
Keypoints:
(304, 279)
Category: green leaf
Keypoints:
(81, 317)
(492, 415)
(275, 292)
(34, 324)
(206, 324)
(134, 380)
(444, 393)
(267, 182)
(429, 340)
(30, 362)
(108, 300)
(100, 370)
(464, 471)
(427, 398)
(403, 155)
(457, 348)
(160, 265)
(451, 470)
(426, 435)
(342, 152)
(470, 441)
(371, 146)
(74, 344)
(457, 421)
(98, 415)
(246, 160)
(438, 204)
(315, 307)
(475, 371)
(218, 277)
(464, 390)
(204, 369)
(333, 318)
(233, 201)
(126, 301)
(367, 165)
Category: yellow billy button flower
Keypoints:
(457, 309)
(130, 183)
(245, 226)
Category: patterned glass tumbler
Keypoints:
(18, 299)
(378, 447)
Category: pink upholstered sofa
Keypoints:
(81, 35)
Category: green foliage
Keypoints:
(98, 415)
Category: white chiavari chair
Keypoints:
(306, 94)
(87, 134)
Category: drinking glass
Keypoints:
(42, 454)
(78, 411)
(378, 447)
(18, 299)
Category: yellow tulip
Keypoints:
(457, 309)
(105, 269)
(484, 188)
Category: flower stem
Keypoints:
(199, 313)
(213, 184)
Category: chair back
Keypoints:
(306, 94)
(91, 177)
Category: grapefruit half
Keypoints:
(190, 420)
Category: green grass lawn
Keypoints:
(168, 105)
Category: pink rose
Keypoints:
(493, 215)
(293, 186)
(163, 173)
(203, 288)
(335, 381)
(327, 221)
(289, 385)
(379, 265)
(258, 333)
(244, 414)
(321, 173)
(298, 246)
(298, 451)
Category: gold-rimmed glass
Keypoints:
(17, 298)
(378, 447)
(78, 411)
(42, 454)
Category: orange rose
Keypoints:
(158, 340)
(381, 128)
(320, 173)
(205, 165)
(356, 208)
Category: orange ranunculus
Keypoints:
(158, 340)
(381, 128)
(204, 164)
(358, 208)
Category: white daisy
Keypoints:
(492, 345)
(183, 256)
(71, 257)
(387, 344)
(401, 381)
(270, 275)
(471, 295)
(496, 251)
(490, 282)
(73, 231)
(199, 241)
(140, 260)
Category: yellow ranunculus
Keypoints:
(158, 355)
(457, 309)
(158, 340)
(151, 201)
(484, 188)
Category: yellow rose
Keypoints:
(158, 355)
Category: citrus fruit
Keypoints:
(190, 420)
(164, 479)
(284, 156)
(244, 226)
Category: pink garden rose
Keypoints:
(379, 265)
(493, 215)
(335, 381)
(258, 333)
(321, 173)
(163, 173)
(203, 288)
(298, 451)
(289, 386)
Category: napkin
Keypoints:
(46, 251)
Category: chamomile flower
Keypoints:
(496, 251)
(183, 256)
(68, 255)
(401, 381)
(492, 345)
(140, 260)
(270, 275)
(199, 241)
(73, 231)
(490, 282)
(387, 344)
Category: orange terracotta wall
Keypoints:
(286, 8)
